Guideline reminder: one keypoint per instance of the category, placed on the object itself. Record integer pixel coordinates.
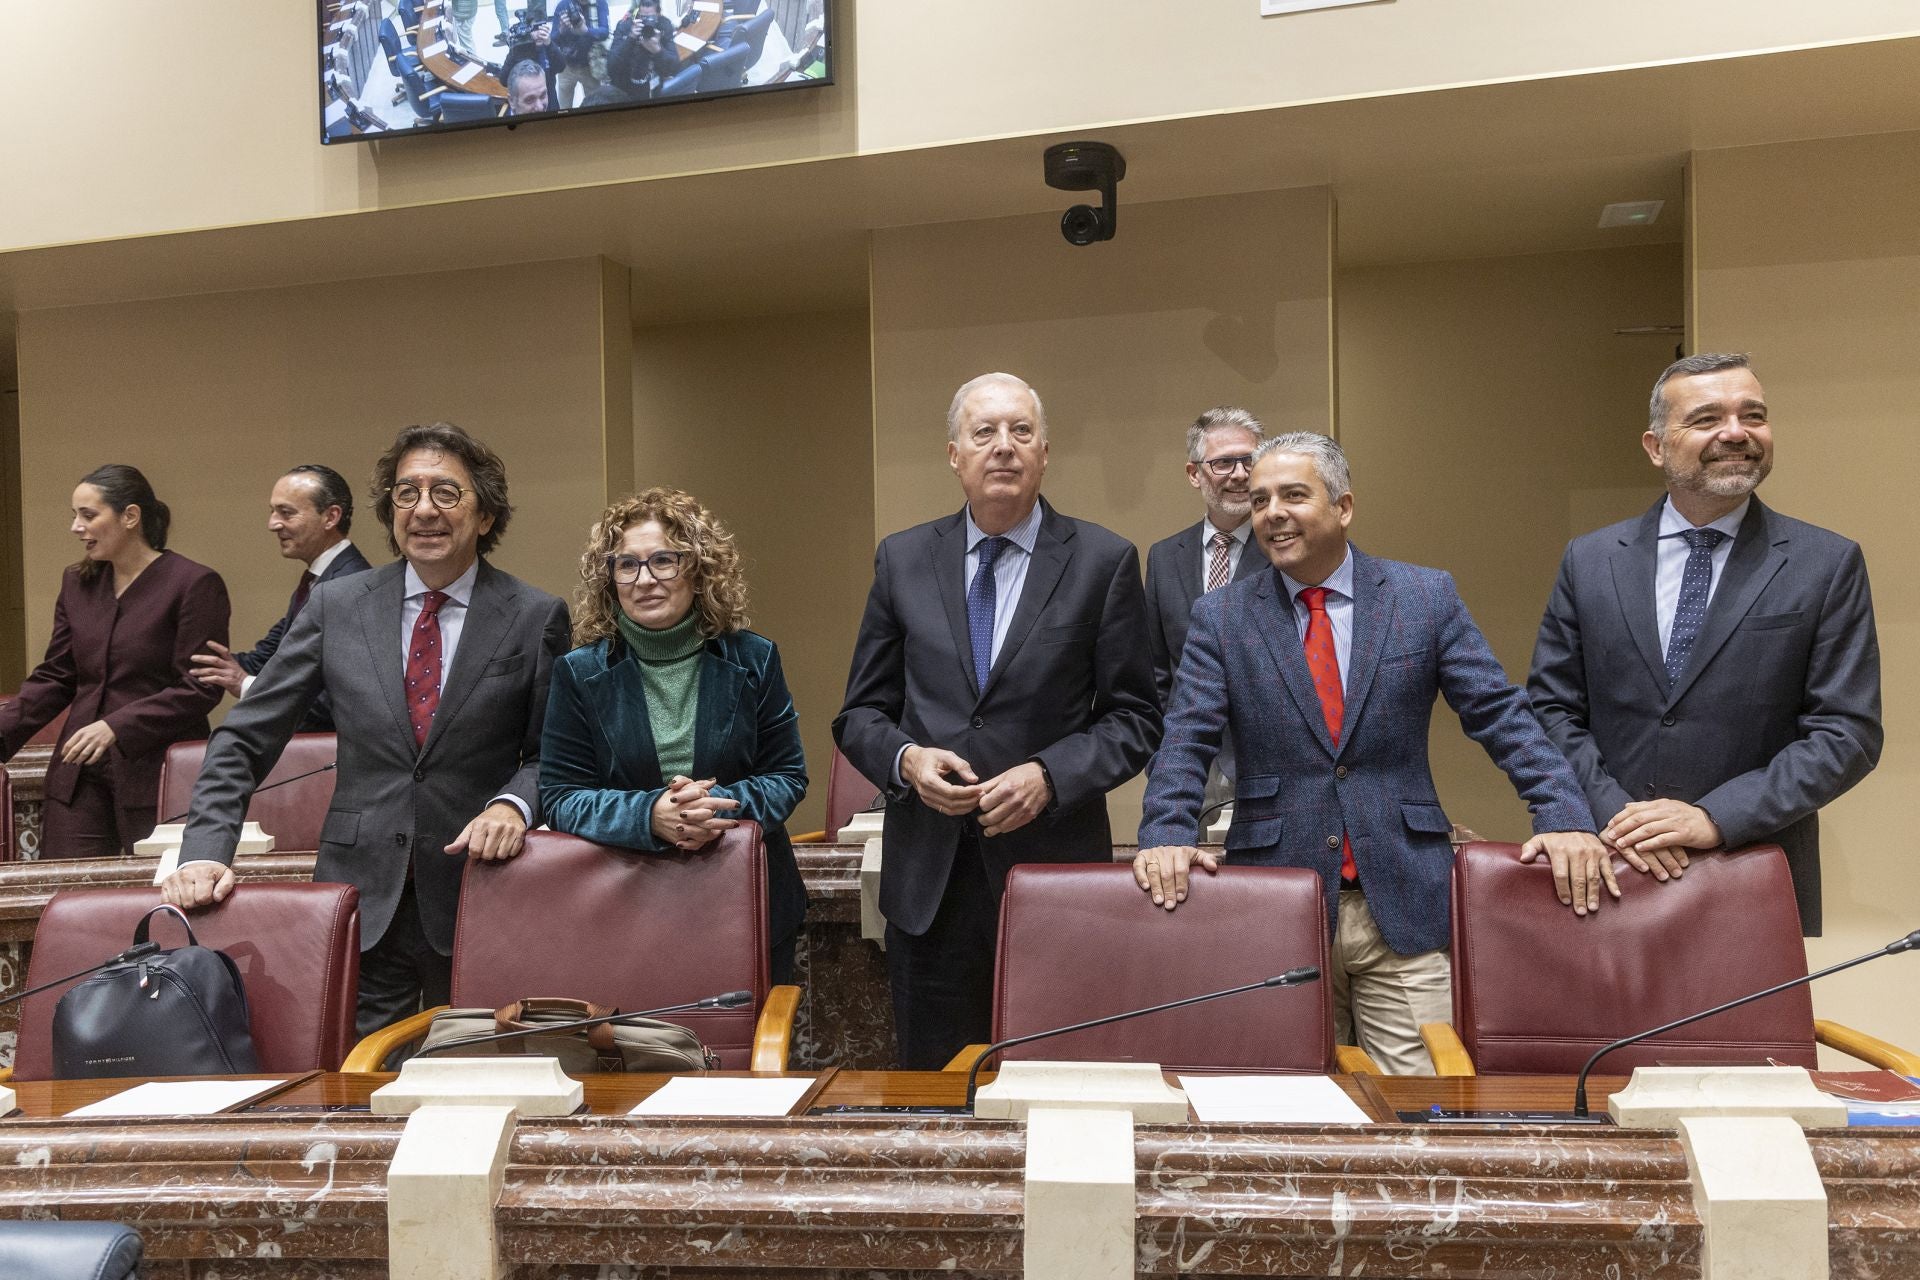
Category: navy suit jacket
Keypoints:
(1777, 712)
(600, 776)
(253, 661)
(1072, 688)
(1174, 582)
(1297, 790)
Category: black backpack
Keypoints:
(151, 1012)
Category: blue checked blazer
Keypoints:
(1243, 668)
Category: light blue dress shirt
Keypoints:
(1670, 561)
(1009, 578)
(1339, 585)
(453, 620)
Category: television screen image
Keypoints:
(392, 67)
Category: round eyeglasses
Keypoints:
(663, 565)
(444, 494)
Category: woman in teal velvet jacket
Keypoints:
(671, 721)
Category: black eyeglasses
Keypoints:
(1225, 466)
(444, 494)
(663, 565)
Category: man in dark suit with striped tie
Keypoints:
(310, 512)
(1206, 556)
(1710, 668)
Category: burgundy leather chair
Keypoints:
(292, 814)
(575, 920)
(297, 946)
(1537, 990)
(847, 794)
(1080, 941)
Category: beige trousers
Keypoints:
(1381, 997)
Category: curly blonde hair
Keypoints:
(719, 586)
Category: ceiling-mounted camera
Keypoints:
(1087, 166)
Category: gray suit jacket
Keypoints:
(1777, 713)
(1174, 582)
(392, 803)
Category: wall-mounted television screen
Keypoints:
(391, 67)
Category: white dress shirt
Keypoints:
(1235, 549)
(1670, 560)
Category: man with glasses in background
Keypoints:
(437, 667)
(1204, 557)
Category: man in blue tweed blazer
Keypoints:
(1325, 669)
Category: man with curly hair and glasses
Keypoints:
(671, 721)
(437, 667)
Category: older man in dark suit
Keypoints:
(1711, 667)
(438, 667)
(1001, 686)
(1325, 668)
(310, 514)
(1205, 556)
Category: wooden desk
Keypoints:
(832, 1197)
(433, 43)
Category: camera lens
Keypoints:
(1081, 225)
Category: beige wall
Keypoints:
(1808, 256)
(13, 654)
(1197, 303)
(770, 423)
(214, 396)
(110, 154)
(1490, 414)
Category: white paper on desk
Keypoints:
(725, 1096)
(705, 6)
(1271, 1100)
(177, 1098)
(688, 42)
(434, 50)
(465, 73)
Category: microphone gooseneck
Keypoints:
(1291, 978)
(1908, 943)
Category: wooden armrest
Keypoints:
(1869, 1049)
(371, 1053)
(810, 837)
(1449, 1056)
(428, 93)
(1352, 1060)
(963, 1061)
(6, 1074)
(773, 1033)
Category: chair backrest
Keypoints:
(685, 80)
(292, 814)
(725, 70)
(1080, 941)
(753, 34)
(847, 793)
(297, 946)
(1537, 990)
(571, 919)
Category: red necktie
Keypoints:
(423, 667)
(1324, 664)
(300, 594)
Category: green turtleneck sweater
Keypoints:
(670, 674)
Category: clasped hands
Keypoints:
(689, 816)
(1005, 803)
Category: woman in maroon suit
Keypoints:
(129, 617)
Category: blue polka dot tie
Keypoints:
(423, 667)
(1696, 585)
(980, 604)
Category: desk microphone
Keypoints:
(298, 777)
(1907, 943)
(1291, 978)
(731, 1000)
(138, 951)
